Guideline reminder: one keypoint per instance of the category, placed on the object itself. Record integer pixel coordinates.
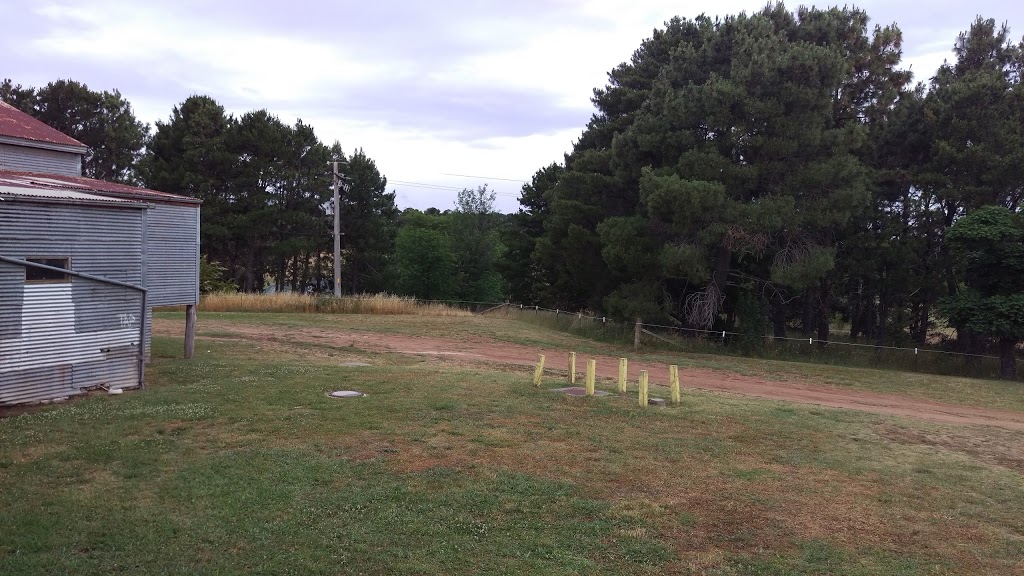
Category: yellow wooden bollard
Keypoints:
(673, 378)
(591, 375)
(538, 373)
(643, 388)
(622, 375)
(572, 368)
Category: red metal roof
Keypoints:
(16, 124)
(110, 189)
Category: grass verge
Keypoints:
(958, 390)
(238, 463)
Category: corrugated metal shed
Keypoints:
(61, 335)
(60, 338)
(171, 263)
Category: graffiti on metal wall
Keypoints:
(48, 331)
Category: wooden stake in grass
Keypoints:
(622, 375)
(643, 388)
(572, 368)
(591, 374)
(673, 378)
(538, 373)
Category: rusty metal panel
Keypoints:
(28, 159)
(171, 259)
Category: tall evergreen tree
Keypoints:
(369, 222)
(524, 275)
(103, 121)
(726, 156)
(988, 244)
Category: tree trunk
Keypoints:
(823, 313)
(294, 280)
(807, 321)
(721, 274)
(304, 275)
(1007, 358)
(883, 316)
(778, 316)
(923, 320)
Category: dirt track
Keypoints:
(484, 350)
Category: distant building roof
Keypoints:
(16, 124)
(60, 183)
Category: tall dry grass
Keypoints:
(381, 304)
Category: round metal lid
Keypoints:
(346, 394)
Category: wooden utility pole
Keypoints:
(337, 231)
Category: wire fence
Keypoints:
(654, 337)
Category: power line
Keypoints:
(486, 177)
(443, 188)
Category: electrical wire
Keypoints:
(444, 188)
(486, 178)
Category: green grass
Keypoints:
(987, 393)
(238, 463)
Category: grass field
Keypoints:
(238, 463)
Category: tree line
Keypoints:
(778, 171)
(266, 187)
(767, 173)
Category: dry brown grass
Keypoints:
(379, 304)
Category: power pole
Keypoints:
(337, 231)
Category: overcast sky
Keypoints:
(491, 88)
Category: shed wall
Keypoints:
(59, 339)
(100, 241)
(68, 344)
(28, 159)
(172, 255)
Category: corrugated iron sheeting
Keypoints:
(57, 339)
(101, 241)
(172, 268)
(73, 337)
(35, 160)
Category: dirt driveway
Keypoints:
(483, 350)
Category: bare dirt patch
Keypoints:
(482, 350)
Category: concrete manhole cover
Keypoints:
(580, 391)
(346, 394)
(354, 364)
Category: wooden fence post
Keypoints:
(572, 368)
(591, 375)
(643, 389)
(636, 334)
(622, 375)
(673, 377)
(538, 373)
(190, 331)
